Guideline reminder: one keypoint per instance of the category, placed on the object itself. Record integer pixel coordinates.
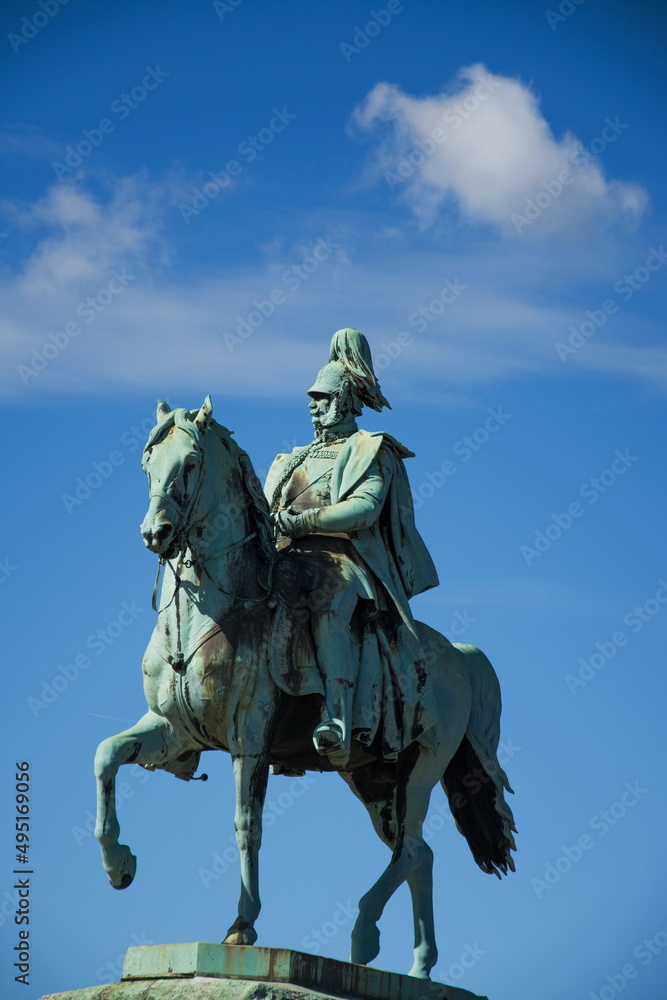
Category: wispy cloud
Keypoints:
(154, 329)
(539, 594)
(27, 140)
(80, 237)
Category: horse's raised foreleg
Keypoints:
(250, 777)
(151, 741)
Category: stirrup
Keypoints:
(329, 737)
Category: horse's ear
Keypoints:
(203, 417)
(162, 410)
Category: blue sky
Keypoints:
(195, 198)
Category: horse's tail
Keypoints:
(474, 781)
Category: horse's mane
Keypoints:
(257, 505)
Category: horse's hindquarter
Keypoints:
(448, 689)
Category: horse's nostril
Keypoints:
(155, 537)
(161, 533)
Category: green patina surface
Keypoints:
(203, 971)
(276, 965)
(284, 636)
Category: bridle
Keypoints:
(184, 542)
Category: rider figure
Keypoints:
(342, 508)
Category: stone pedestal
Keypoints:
(200, 971)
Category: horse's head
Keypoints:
(173, 463)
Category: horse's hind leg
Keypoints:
(420, 882)
(421, 889)
(151, 741)
(397, 814)
(380, 801)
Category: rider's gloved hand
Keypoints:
(294, 524)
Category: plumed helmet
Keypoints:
(329, 379)
(350, 363)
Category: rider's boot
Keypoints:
(332, 737)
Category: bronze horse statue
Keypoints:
(209, 684)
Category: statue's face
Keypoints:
(321, 407)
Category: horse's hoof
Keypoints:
(125, 881)
(419, 972)
(365, 944)
(425, 957)
(123, 876)
(240, 935)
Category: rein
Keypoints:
(197, 560)
(202, 563)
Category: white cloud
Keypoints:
(484, 147)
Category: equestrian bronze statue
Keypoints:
(285, 637)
